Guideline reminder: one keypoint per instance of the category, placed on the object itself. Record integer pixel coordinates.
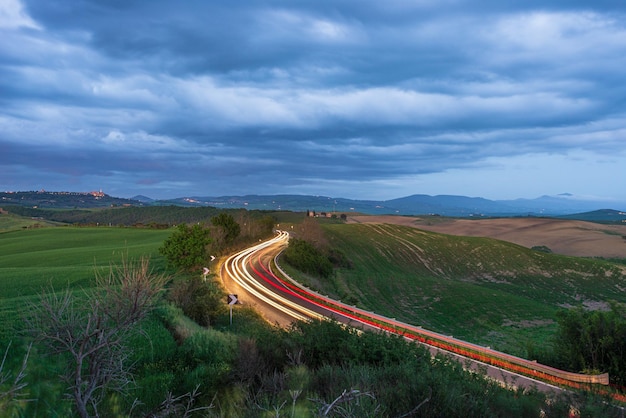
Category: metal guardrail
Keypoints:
(506, 361)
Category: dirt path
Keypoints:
(577, 238)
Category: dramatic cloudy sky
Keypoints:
(342, 98)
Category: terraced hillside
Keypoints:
(480, 289)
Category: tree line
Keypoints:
(157, 216)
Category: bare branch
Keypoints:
(414, 410)
(91, 330)
(295, 358)
(346, 396)
(131, 289)
(180, 406)
(14, 390)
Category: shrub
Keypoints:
(305, 257)
(201, 301)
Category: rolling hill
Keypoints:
(562, 236)
(483, 290)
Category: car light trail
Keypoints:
(236, 268)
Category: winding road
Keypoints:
(254, 275)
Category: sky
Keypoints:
(342, 98)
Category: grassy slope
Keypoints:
(33, 259)
(9, 222)
(486, 291)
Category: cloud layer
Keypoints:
(342, 98)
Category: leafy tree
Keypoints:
(594, 340)
(187, 247)
(266, 224)
(227, 230)
(255, 227)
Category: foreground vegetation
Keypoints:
(319, 369)
(248, 369)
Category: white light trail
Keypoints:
(236, 268)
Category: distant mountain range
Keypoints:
(418, 204)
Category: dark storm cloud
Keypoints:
(365, 98)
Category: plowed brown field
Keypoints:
(576, 238)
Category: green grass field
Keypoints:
(479, 289)
(34, 259)
(10, 222)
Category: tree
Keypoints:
(594, 340)
(90, 335)
(254, 227)
(187, 247)
(227, 229)
(311, 231)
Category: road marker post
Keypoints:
(231, 300)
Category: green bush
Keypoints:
(305, 257)
(203, 301)
(152, 343)
(542, 248)
(338, 258)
